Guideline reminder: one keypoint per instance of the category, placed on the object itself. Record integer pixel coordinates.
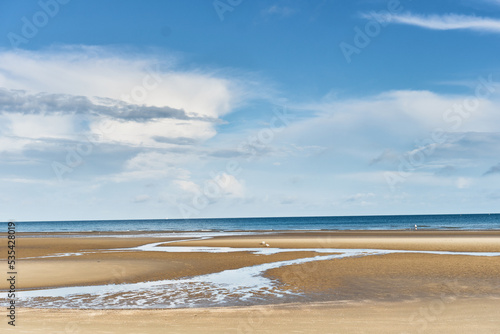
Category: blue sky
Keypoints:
(187, 109)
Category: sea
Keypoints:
(397, 222)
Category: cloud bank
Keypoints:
(136, 100)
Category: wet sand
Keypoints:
(466, 241)
(95, 264)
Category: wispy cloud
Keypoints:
(442, 22)
(141, 198)
(463, 182)
(359, 197)
(494, 2)
(493, 170)
(446, 171)
(282, 11)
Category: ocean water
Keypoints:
(434, 222)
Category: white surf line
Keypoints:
(228, 286)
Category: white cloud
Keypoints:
(463, 183)
(188, 186)
(232, 186)
(283, 11)
(92, 72)
(444, 22)
(394, 117)
(359, 197)
(58, 84)
(14, 145)
(40, 126)
(225, 185)
(141, 198)
(150, 165)
(146, 134)
(29, 181)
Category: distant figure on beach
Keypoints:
(415, 227)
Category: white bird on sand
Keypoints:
(263, 243)
(267, 245)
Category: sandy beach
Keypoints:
(433, 316)
(411, 292)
